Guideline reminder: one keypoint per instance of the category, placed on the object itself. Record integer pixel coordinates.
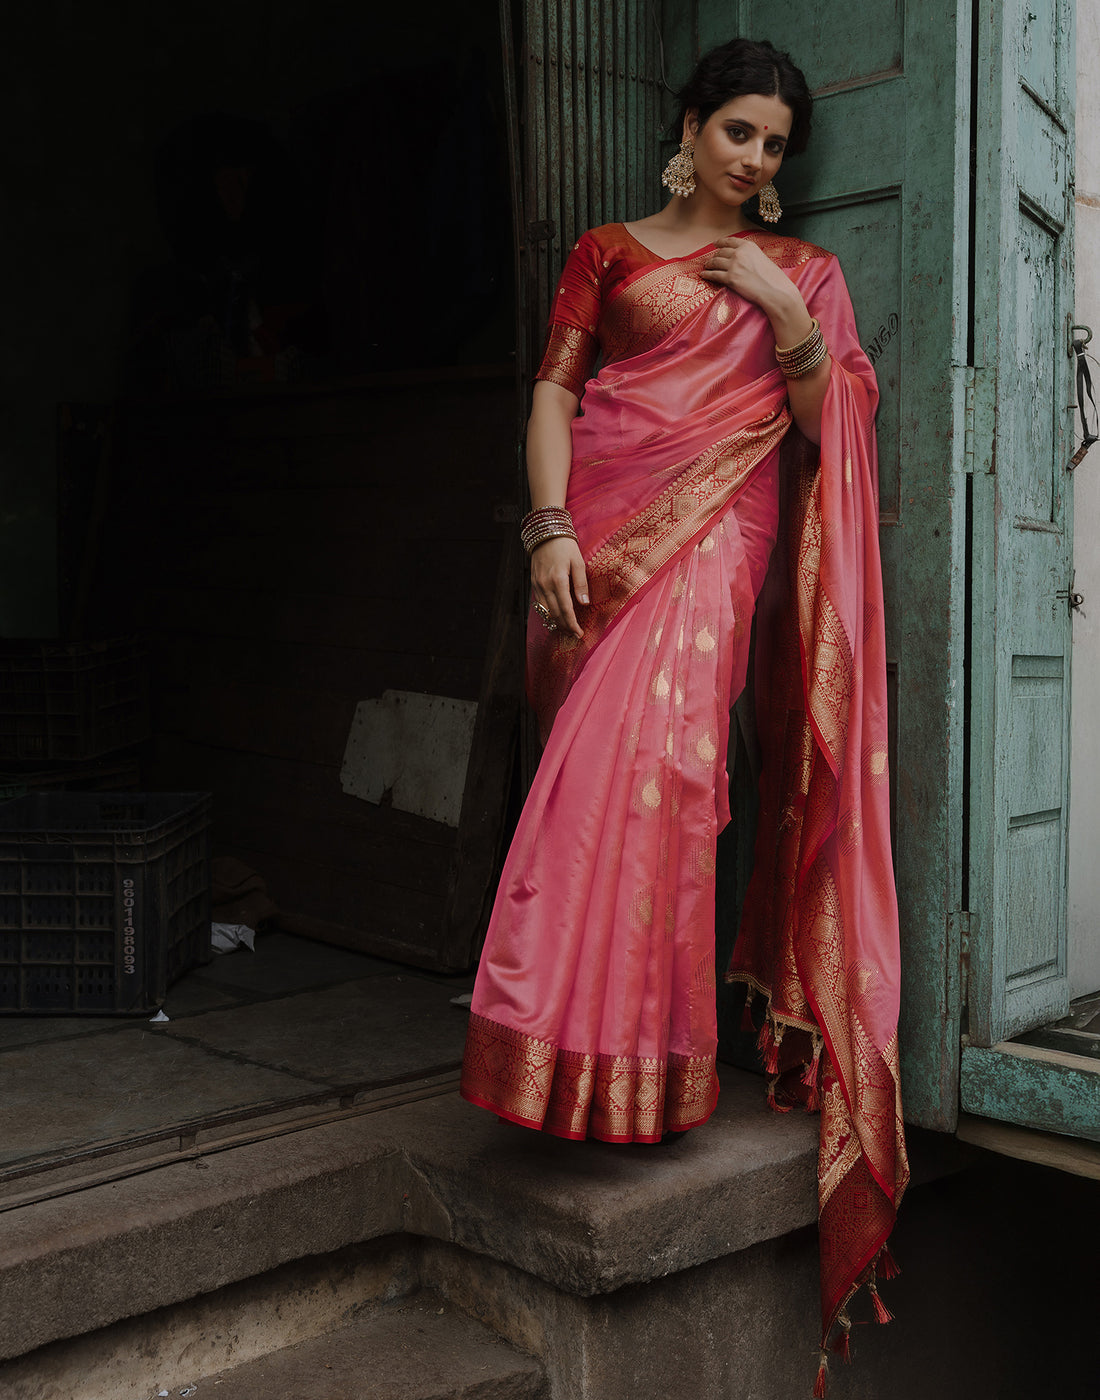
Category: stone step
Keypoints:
(584, 1218)
(421, 1349)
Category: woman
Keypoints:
(730, 368)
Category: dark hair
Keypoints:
(746, 67)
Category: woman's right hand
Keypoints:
(559, 581)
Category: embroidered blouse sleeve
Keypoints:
(572, 344)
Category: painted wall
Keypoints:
(1084, 866)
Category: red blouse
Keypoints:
(579, 330)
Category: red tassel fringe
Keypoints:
(746, 1016)
(811, 1078)
(773, 1102)
(886, 1265)
(882, 1312)
(821, 1385)
(842, 1344)
(768, 1044)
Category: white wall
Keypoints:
(1084, 829)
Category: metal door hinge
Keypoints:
(1074, 600)
(1072, 339)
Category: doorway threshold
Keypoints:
(255, 1046)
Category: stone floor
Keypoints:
(253, 1041)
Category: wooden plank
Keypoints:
(1066, 1154)
(1033, 1086)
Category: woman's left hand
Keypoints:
(744, 266)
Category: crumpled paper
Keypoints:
(226, 938)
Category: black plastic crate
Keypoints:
(72, 700)
(104, 899)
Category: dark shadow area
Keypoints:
(261, 449)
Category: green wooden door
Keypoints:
(884, 185)
(1022, 526)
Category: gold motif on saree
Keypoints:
(573, 1094)
(703, 977)
(705, 747)
(649, 792)
(875, 762)
(701, 862)
(641, 909)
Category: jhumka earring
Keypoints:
(769, 204)
(679, 174)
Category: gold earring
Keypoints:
(769, 204)
(679, 174)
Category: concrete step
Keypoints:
(422, 1349)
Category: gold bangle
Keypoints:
(801, 359)
(547, 523)
(782, 354)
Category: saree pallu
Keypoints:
(593, 1013)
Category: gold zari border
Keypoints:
(641, 547)
(574, 1094)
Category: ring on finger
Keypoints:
(544, 615)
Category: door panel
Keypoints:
(1022, 521)
(884, 184)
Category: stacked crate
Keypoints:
(104, 896)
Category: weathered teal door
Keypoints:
(884, 185)
(1023, 525)
(1022, 571)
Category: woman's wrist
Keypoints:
(790, 321)
(545, 523)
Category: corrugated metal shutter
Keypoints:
(591, 129)
(584, 112)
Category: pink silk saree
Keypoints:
(594, 1011)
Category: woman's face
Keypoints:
(739, 147)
